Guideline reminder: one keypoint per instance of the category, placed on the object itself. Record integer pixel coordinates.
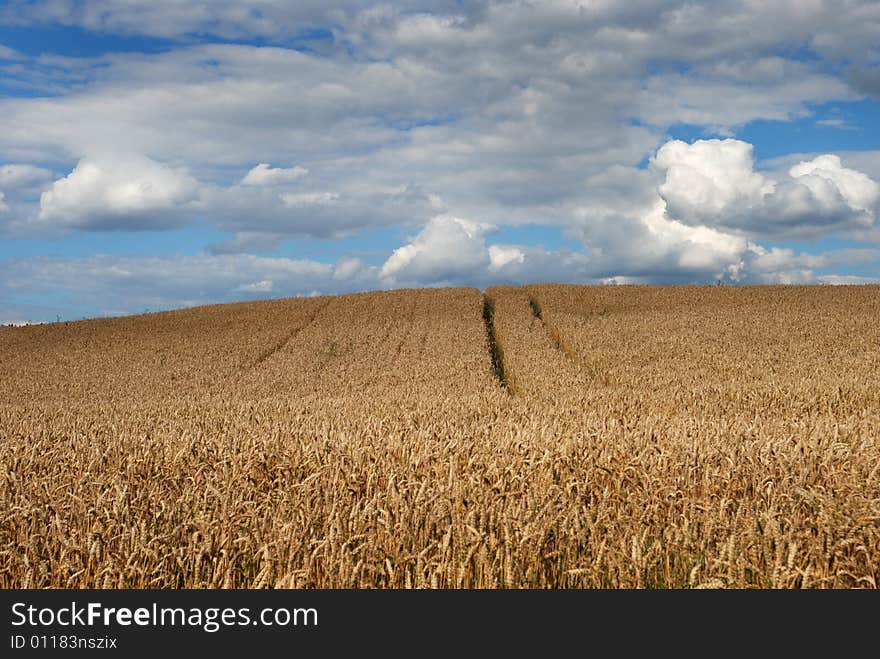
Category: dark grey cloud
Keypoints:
(865, 80)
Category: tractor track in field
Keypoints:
(496, 353)
(290, 336)
(559, 342)
(556, 338)
(267, 353)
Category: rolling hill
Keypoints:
(539, 436)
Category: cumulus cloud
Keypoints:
(650, 247)
(126, 193)
(452, 250)
(644, 243)
(866, 161)
(858, 190)
(480, 104)
(264, 174)
(3, 206)
(444, 119)
(134, 192)
(502, 256)
(707, 179)
(447, 249)
(713, 183)
(629, 234)
(782, 265)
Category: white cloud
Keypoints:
(447, 249)
(454, 250)
(713, 183)
(308, 198)
(697, 249)
(504, 255)
(707, 179)
(420, 114)
(866, 161)
(264, 174)
(627, 236)
(3, 206)
(481, 105)
(118, 193)
(262, 286)
(857, 189)
(781, 265)
(647, 249)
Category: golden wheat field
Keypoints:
(533, 437)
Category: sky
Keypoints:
(157, 154)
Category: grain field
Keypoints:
(543, 436)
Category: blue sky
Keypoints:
(164, 154)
